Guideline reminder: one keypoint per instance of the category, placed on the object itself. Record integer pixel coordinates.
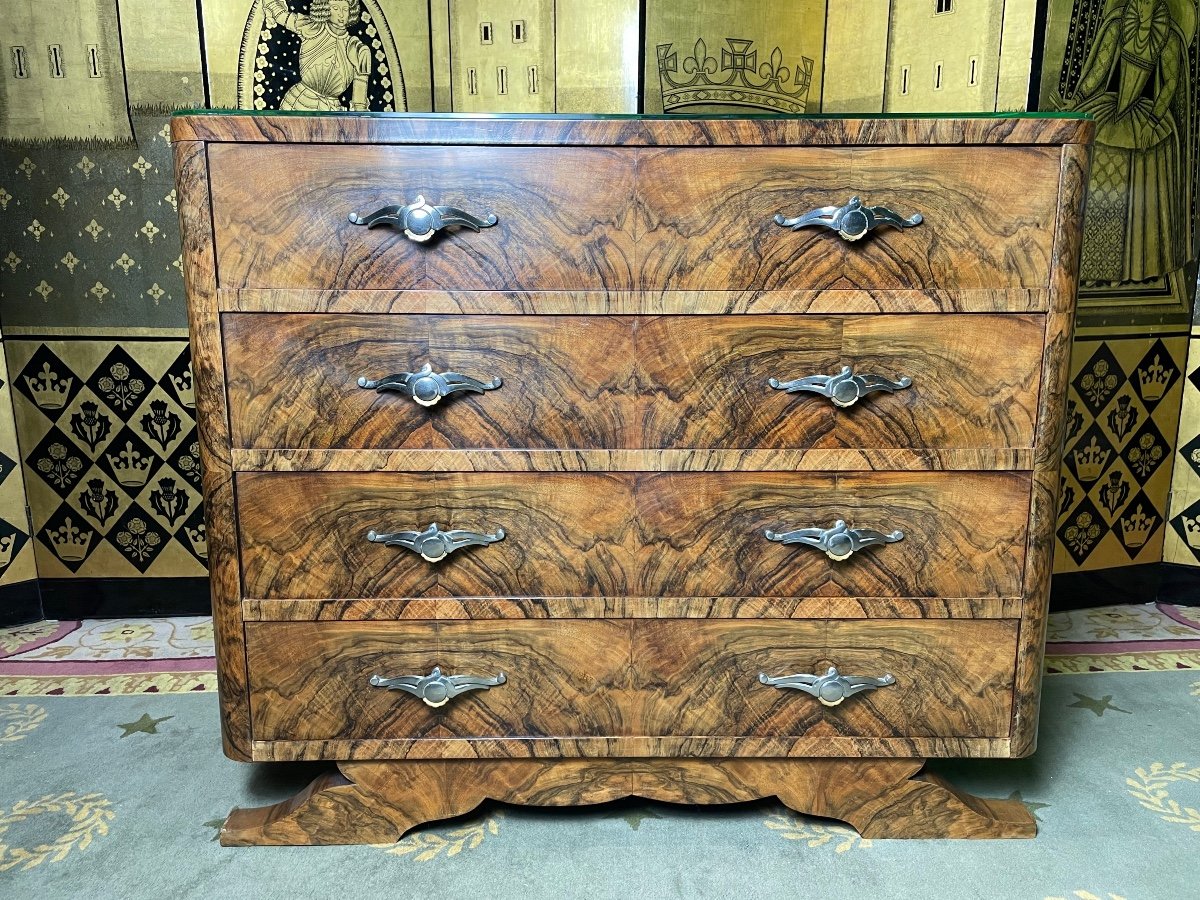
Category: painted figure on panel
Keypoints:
(319, 55)
(331, 59)
(1136, 82)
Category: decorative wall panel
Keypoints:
(111, 457)
(318, 54)
(16, 552)
(1122, 416)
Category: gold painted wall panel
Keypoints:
(597, 56)
(856, 52)
(62, 75)
(502, 55)
(161, 42)
(728, 57)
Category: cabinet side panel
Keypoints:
(1048, 442)
(208, 366)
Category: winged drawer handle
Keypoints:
(435, 688)
(845, 388)
(421, 221)
(831, 688)
(433, 544)
(426, 386)
(839, 542)
(851, 221)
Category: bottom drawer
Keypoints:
(644, 677)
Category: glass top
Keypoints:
(627, 116)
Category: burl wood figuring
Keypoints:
(707, 508)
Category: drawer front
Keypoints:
(584, 382)
(706, 217)
(571, 678)
(952, 677)
(313, 681)
(305, 535)
(563, 217)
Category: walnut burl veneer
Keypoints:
(627, 486)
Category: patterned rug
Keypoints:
(114, 787)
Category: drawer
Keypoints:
(952, 677)
(563, 217)
(572, 678)
(312, 681)
(601, 382)
(706, 217)
(625, 534)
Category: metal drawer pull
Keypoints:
(435, 688)
(838, 542)
(831, 688)
(421, 221)
(433, 544)
(851, 221)
(428, 387)
(844, 389)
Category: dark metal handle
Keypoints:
(845, 388)
(433, 544)
(427, 387)
(851, 221)
(831, 688)
(838, 542)
(420, 221)
(435, 688)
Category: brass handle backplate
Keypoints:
(426, 386)
(433, 544)
(843, 389)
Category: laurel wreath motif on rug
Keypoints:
(17, 720)
(429, 845)
(840, 837)
(89, 815)
(1149, 787)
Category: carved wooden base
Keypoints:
(377, 802)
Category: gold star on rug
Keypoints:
(1032, 805)
(145, 724)
(1097, 706)
(633, 816)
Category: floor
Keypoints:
(109, 745)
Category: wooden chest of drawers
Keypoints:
(554, 460)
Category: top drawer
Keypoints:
(281, 217)
(620, 219)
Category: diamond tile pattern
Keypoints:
(1122, 418)
(115, 460)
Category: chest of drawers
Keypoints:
(555, 460)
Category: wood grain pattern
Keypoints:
(376, 803)
(287, 227)
(303, 535)
(842, 460)
(208, 367)
(1043, 509)
(599, 382)
(569, 678)
(705, 217)
(635, 302)
(821, 745)
(311, 681)
(492, 608)
(432, 128)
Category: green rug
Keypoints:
(122, 796)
